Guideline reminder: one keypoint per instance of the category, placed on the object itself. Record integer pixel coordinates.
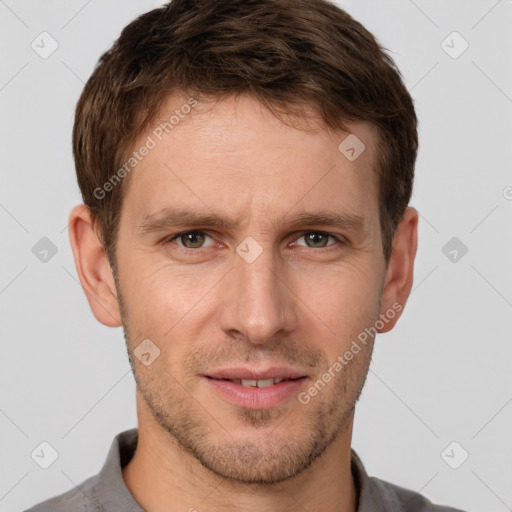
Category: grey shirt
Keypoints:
(107, 492)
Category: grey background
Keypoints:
(442, 375)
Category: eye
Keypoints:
(196, 240)
(190, 239)
(318, 239)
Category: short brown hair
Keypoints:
(285, 53)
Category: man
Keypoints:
(246, 168)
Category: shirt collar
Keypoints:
(114, 495)
(369, 497)
(111, 491)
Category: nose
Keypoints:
(257, 301)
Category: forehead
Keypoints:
(236, 156)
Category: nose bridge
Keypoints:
(258, 304)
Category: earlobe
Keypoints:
(93, 267)
(400, 272)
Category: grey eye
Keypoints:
(316, 239)
(192, 239)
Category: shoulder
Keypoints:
(409, 501)
(79, 499)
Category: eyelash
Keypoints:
(170, 239)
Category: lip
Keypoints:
(255, 398)
(274, 372)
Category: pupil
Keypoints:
(314, 238)
(195, 239)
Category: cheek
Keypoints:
(344, 295)
(340, 304)
(165, 303)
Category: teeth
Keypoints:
(249, 383)
(262, 383)
(265, 383)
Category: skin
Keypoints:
(298, 304)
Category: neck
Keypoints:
(163, 476)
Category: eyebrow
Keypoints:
(171, 218)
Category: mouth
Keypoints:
(256, 389)
(258, 383)
(254, 377)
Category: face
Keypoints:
(250, 251)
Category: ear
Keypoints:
(93, 268)
(399, 274)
